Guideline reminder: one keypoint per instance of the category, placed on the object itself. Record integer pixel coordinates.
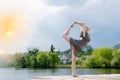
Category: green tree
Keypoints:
(30, 58)
(80, 53)
(115, 62)
(33, 51)
(42, 59)
(101, 57)
(53, 58)
(52, 48)
(77, 62)
(19, 60)
(88, 50)
(27, 60)
(33, 62)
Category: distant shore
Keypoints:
(80, 77)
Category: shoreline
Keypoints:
(80, 77)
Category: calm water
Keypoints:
(28, 74)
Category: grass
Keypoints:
(68, 66)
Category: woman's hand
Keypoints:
(80, 23)
(72, 25)
(76, 22)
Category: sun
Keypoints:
(8, 24)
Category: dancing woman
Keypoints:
(76, 45)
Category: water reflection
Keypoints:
(26, 74)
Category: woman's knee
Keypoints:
(66, 38)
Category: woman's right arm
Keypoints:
(85, 28)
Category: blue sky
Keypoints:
(42, 23)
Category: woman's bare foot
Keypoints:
(74, 75)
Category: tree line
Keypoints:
(103, 57)
(36, 59)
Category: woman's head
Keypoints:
(88, 29)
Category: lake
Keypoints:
(28, 74)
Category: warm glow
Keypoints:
(10, 33)
(2, 52)
(8, 24)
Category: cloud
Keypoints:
(102, 16)
(23, 32)
(46, 20)
(64, 2)
(31, 14)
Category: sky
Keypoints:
(28, 24)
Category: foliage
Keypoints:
(36, 59)
(115, 62)
(98, 58)
(42, 59)
(101, 57)
(87, 50)
(53, 59)
(80, 53)
(77, 62)
(19, 60)
(52, 48)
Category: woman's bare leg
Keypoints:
(73, 63)
(66, 37)
(66, 34)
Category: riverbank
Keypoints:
(80, 77)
